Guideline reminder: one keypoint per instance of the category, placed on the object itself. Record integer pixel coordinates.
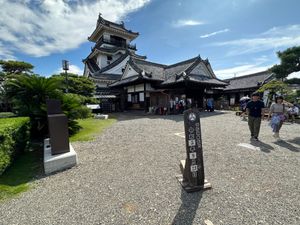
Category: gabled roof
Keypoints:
(180, 67)
(249, 81)
(193, 78)
(152, 70)
(113, 64)
(182, 71)
(110, 26)
(177, 73)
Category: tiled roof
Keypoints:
(105, 76)
(179, 67)
(125, 81)
(153, 70)
(194, 78)
(113, 25)
(92, 65)
(248, 81)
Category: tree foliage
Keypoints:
(16, 67)
(289, 62)
(274, 87)
(76, 84)
(29, 94)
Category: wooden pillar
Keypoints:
(145, 98)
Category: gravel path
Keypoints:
(127, 176)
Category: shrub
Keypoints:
(7, 114)
(14, 138)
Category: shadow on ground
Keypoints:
(288, 146)
(264, 147)
(188, 208)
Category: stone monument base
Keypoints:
(55, 163)
(186, 185)
(101, 116)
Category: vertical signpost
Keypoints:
(65, 66)
(192, 168)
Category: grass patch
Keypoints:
(17, 177)
(90, 128)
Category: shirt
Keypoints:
(255, 108)
(277, 108)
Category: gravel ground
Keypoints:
(127, 176)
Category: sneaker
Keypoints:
(256, 138)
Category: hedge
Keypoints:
(14, 138)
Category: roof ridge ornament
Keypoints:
(100, 19)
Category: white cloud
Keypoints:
(214, 33)
(273, 39)
(183, 23)
(6, 54)
(42, 27)
(240, 70)
(72, 69)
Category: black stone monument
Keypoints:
(192, 168)
(58, 127)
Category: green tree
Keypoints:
(28, 94)
(289, 62)
(76, 84)
(274, 87)
(16, 67)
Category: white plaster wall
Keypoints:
(86, 71)
(118, 68)
(102, 60)
(129, 72)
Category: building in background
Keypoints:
(245, 85)
(126, 80)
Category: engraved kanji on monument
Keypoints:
(192, 168)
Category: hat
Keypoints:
(255, 94)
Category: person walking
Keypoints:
(255, 111)
(277, 111)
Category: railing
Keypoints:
(116, 43)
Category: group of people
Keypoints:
(277, 115)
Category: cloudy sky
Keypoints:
(237, 36)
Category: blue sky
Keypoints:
(237, 36)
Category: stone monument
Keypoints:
(192, 178)
(58, 152)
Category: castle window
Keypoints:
(109, 57)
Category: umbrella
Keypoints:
(244, 98)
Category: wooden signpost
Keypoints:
(192, 178)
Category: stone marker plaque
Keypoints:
(53, 106)
(58, 128)
(192, 168)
